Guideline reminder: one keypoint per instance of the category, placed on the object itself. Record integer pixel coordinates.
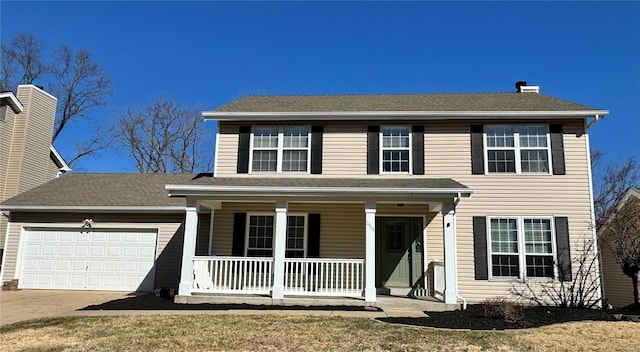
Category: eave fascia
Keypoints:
(407, 115)
(312, 192)
(14, 103)
(59, 161)
(89, 209)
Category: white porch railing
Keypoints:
(238, 275)
(438, 279)
(324, 277)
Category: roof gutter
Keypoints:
(596, 117)
(381, 115)
(340, 192)
(88, 209)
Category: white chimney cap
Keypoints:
(529, 89)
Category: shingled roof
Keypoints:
(102, 190)
(403, 102)
(118, 190)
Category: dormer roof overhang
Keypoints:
(12, 101)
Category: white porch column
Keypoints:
(370, 252)
(279, 246)
(450, 256)
(188, 248)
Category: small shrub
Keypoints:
(165, 292)
(503, 309)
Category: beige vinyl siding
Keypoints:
(341, 226)
(227, 152)
(41, 109)
(617, 287)
(511, 195)
(169, 227)
(344, 151)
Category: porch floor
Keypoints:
(384, 302)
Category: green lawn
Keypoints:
(298, 333)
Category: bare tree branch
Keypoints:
(164, 137)
(25, 51)
(80, 84)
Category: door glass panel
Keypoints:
(395, 237)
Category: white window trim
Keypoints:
(248, 223)
(522, 255)
(516, 148)
(279, 151)
(381, 150)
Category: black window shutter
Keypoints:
(477, 150)
(313, 236)
(243, 150)
(417, 149)
(557, 149)
(480, 248)
(562, 246)
(316, 149)
(373, 150)
(239, 223)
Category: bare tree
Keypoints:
(611, 184)
(164, 137)
(80, 84)
(24, 51)
(8, 70)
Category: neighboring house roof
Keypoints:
(101, 191)
(11, 99)
(410, 106)
(58, 160)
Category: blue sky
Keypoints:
(209, 53)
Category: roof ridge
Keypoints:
(370, 94)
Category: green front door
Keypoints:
(399, 246)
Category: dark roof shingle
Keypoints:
(103, 189)
(403, 102)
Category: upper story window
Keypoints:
(395, 149)
(521, 247)
(517, 149)
(280, 149)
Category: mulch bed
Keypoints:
(474, 318)
(471, 319)
(152, 302)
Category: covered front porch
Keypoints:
(265, 241)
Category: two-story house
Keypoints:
(451, 195)
(27, 157)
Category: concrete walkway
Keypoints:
(23, 305)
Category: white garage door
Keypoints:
(94, 260)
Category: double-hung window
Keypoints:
(280, 149)
(521, 247)
(395, 149)
(517, 149)
(260, 236)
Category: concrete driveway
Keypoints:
(21, 305)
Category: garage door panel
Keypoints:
(99, 260)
